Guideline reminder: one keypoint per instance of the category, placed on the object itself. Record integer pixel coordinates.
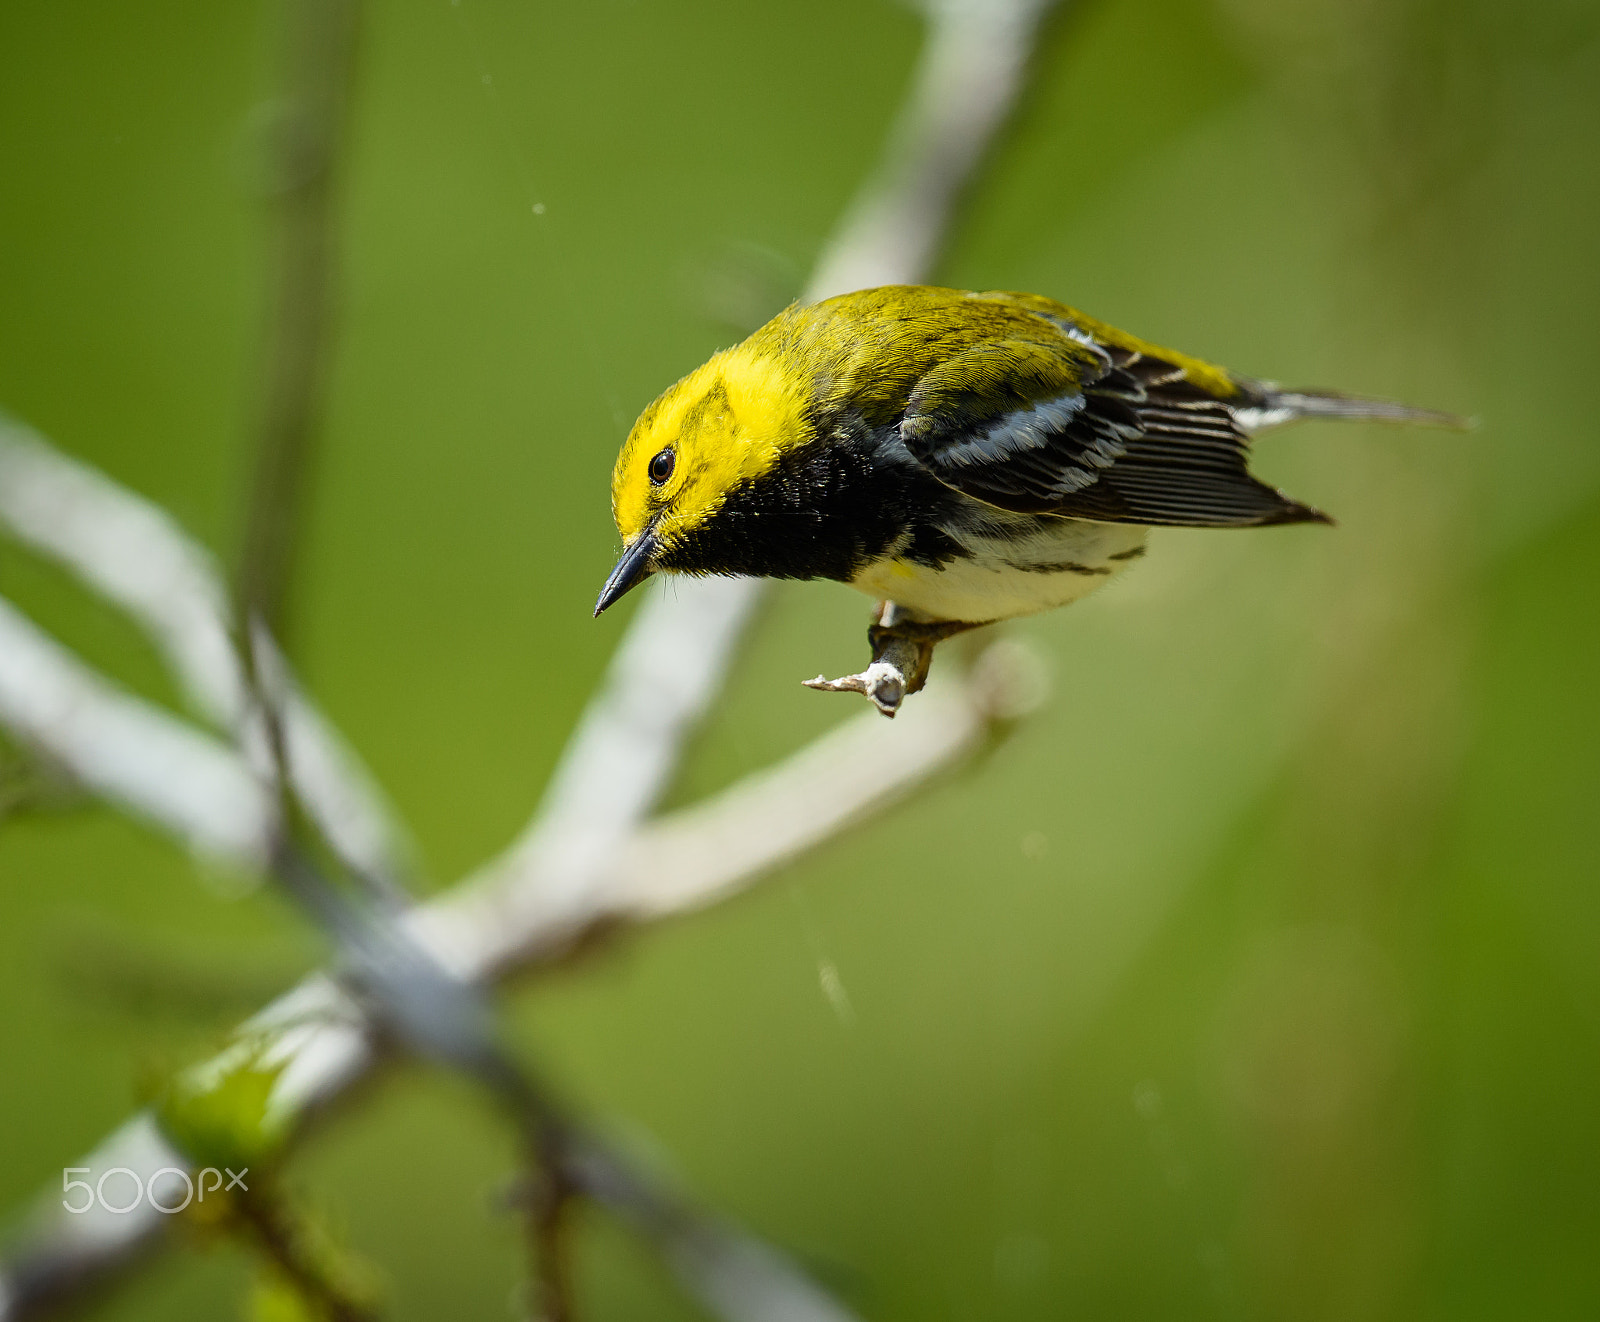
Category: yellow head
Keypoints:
(720, 428)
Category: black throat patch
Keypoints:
(825, 511)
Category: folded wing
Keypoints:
(1064, 424)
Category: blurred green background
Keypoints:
(1257, 978)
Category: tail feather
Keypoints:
(1277, 406)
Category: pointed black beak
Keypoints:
(631, 570)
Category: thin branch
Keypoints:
(131, 552)
(902, 652)
(972, 69)
(290, 1245)
(549, 1196)
(512, 917)
(315, 108)
(734, 1275)
(311, 129)
(69, 1255)
(410, 995)
(128, 751)
(625, 749)
(28, 784)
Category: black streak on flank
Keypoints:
(1056, 567)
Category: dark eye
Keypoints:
(661, 466)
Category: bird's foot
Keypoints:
(902, 651)
(883, 681)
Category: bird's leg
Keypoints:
(902, 650)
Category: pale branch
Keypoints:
(130, 752)
(704, 853)
(134, 555)
(971, 71)
(515, 914)
(62, 1255)
(625, 749)
(131, 553)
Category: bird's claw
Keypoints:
(882, 681)
(902, 651)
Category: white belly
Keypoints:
(1001, 576)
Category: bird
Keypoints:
(964, 457)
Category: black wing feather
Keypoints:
(1138, 442)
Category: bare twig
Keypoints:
(288, 1244)
(134, 555)
(303, 176)
(966, 84)
(26, 785)
(511, 917)
(130, 552)
(127, 750)
(625, 749)
(549, 1196)
(406, 992)
(737, 1277)
(322, 38)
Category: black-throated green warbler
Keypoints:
(968, 456)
